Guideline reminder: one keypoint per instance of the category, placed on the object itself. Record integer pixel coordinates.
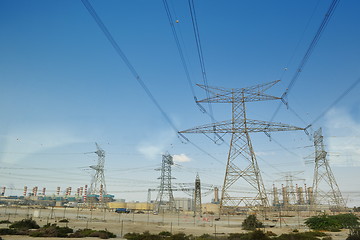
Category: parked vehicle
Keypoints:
(121, 210)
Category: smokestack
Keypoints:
(85, 193)
(81, 191)
(3, 191)
(310, 195)
(35, 189)
(43, 191)
(25, 191)
(285, 195)
(276, 196)
(58, 191)
(300, 195)
(216, 193)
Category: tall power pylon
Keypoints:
(242, 163)
(165, 195)
(98, 186)
(197, 197)
(323, 174)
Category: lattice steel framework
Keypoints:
(323, 173)
(165, 195)
(197, 197)
(98, 186)
(241, 150)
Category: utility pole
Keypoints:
(165, 195)
(323, 174)
(241, 163)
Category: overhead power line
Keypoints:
(308, 53)
(337, 100)
(136, 75)
(200, 52)
(126, 61)
(181, 53)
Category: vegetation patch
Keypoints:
(12, 231)
(302, 236)
(354, 234)
(332, 223)
(5, 221)
(51, 231)
(252, 235)
(103, 234)
(251, 223)
(25, 224)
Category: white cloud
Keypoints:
(344, 140)
(150, 151)
(181, 158)
(153, 149)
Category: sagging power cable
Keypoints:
(118, 50)
(307, 55)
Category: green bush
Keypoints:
(251, 223)
(347, 220)
(25, 224)
(11, 231)
(205, 237)
(5, 221)
(354, 234)
(332, 223)
(51, 231)
(302, 236)
(179, 236)
(103, 234)
(132, 236)
(165, 233)
(254, 235)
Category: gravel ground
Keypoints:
(121, 224)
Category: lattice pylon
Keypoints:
(98, 186)
(242, 163)
(165, 195)
(197, 197)
(323, 174)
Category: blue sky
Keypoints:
(63, 88)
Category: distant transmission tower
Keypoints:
(242, 163)
(165, 195)
(324, 174)
(197, 197)
(98, 186)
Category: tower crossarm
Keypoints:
(242, 127)
(230, 95)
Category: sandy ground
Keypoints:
(121, 224)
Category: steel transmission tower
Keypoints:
(242, 163)
(324, 174)
(98, 186)
(165, 195)
(197, 197)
